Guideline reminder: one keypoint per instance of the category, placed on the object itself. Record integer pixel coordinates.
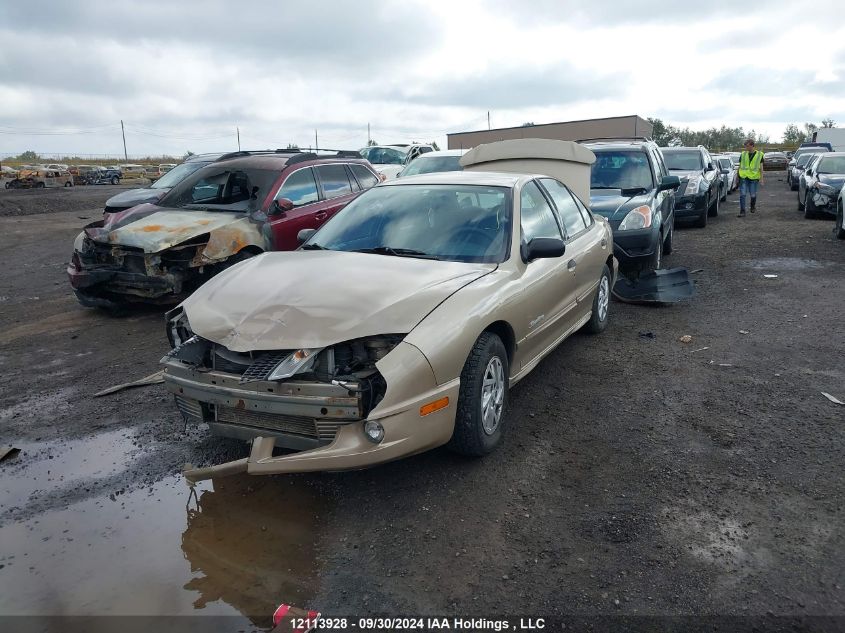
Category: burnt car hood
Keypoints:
(154, 229)
(312, 299)
(613, 204)
(132, 197)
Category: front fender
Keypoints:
(448, 333)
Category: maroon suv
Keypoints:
(229, 210)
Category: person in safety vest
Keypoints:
(750, 175)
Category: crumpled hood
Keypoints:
(290, 300)
(154, 229)
(611, 204)
(126, 199)
(832, 180)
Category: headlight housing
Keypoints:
(298, 362)
(178, 327)
(638, 218)
(692, 185)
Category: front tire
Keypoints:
(809, 207)
(115, 180)
(667, 243)
(483, 398)
(713, 210)
(601, 304)
(840, 232)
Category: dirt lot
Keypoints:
(640, 475)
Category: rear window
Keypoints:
(617, 169)
(432, 164)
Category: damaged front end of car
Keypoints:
(345, 406)
(107, 272)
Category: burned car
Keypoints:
(223, 213)
(400, 325)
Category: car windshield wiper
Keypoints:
(313, 247)
(396, 252)
(630, 191)
(598, 187)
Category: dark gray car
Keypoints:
(133, 197)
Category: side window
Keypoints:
(658, 161)
(567, 208)
(364, 176)
(334, 180)
(585, 213)
(537, 218)
(300, 188)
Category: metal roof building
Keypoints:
(624, 126)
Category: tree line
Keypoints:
(729, 138)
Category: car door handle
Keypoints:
(322, 215)
(572, 264)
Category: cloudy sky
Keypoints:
(184, 75)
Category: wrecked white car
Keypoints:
(223, 213)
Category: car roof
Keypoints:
(481, 178)
(600, 145)
(444, 152)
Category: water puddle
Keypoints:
(238, 546)
(43, 467)
(776, 264)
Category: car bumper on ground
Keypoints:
(103, 286)
(690, 206)
(322, 421)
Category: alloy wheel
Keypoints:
(492, 395)
(604, 297)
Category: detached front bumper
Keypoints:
(323, 421)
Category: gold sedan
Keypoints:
(399, 326)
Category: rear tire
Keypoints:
(800, 204)
(115, 180)
(483, 398)
(601, 304)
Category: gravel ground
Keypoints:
(640, 475)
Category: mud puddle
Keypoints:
(43, 467)
(238, 546)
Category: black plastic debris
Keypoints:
(658, 287)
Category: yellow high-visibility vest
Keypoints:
(751, 166)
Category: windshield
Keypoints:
(431, 164)
(621, 170)
(459, 223)
(177, 174)
(831, 165)
(384, 155)
(804, 159)
(683, 161)
(221, 188)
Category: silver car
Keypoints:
(793, 173)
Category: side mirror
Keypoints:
(304, 235)
(709, 167)
(542, 248)
(724, 172)
(809, 172)
(668, 182)
(280, 206)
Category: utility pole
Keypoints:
(238, 132)
(488, 120)
(316, 142)
(125, 155)
(368, 134)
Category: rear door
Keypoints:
(548, 291)
(337, 187)
(586, 244)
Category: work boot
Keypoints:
(753, 204)
(741, 213)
